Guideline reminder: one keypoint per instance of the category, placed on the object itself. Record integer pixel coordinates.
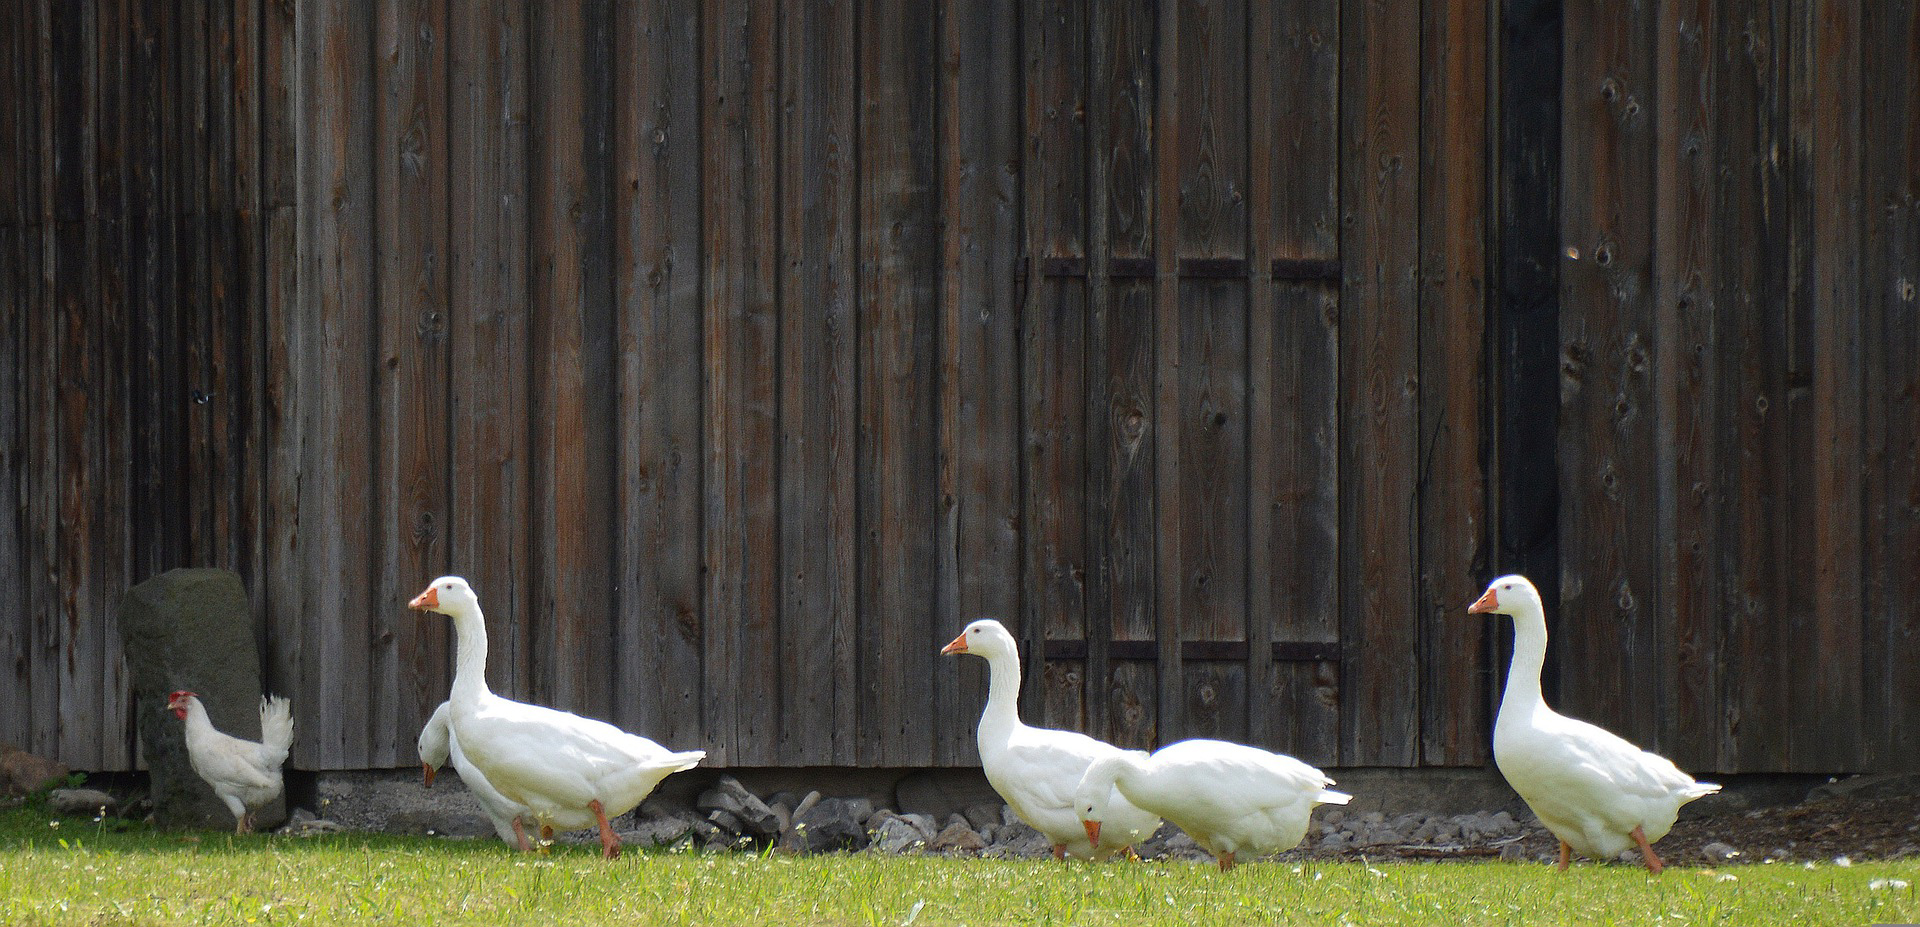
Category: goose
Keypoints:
(437, 748)
(1595, 791)
(1230, 798)
(555, 764)
(1034, 769)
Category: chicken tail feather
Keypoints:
(276, 726)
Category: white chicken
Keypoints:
(246, 775)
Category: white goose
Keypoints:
(438, 747)
(1595, 791)
(1036, 769)
(555, 764)
(1230, 798)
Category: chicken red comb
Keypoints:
(179, 693)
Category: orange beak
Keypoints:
(428, 771)
(427, 599)
(957, 645)
(1486, 603)
(1093, 831)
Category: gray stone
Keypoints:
(1868, 787)
(986, 813)
(1019, 841)
(895, 834)
(755, 817)
(941, 792)
(663, 829)
(1513, 853)
(959, 839)
(81, 801)
(22, 772)
(192, 629)
(830, 824)
(727, 821)
(1717, 852)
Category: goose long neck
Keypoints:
(1002, 714)
(470, 658)
(1529, 657)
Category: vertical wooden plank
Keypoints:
(742, 602)
(1203, 371)
(411, 164)
(657, 252)
(979, 353)
(1751, 71)
(19, 309)
(1890, 277)
(1609, 597)
(1686, 385)
(1293, 363)
(1452, 485)
(1379, 344)
(568, 354)
(899, 329)
(1121, 401)
(1827, 146)
(15, 638)
(488, 320)
(74, 285)
(332, 345)
(817, 385)
(1053, 374)
(278, 590)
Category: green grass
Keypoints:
(113, 873)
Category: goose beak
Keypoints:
(1093, 831)
(1486, 603)
(427, 599)
(428, 771)
(957, 645)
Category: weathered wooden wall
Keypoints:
(1739, 462)
(741, 352)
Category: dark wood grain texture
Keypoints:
(1379, 385)
(1451, 485)
(741, 353)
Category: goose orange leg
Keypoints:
(1060, 851)
(1226, 861)
(520, 834)
(1566, 855)
(609, 844)
(1646, 849)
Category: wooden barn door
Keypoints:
(1252, 344)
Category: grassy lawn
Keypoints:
(87, 872)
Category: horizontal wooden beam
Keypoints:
(1283, 651)
(1138, 268)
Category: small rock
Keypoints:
(958, 839)
(755, 817)
(665, 828)
(830, 824)
(22, 772)
(1018, 841)
(1334, 815)
(1871, 786)
(727, 821)
(1513, 853)
(311, 827)
(80, 801)
(1717, 852)
(1008, 817)
(893, 833)
(982, 815)
(1334, 841)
